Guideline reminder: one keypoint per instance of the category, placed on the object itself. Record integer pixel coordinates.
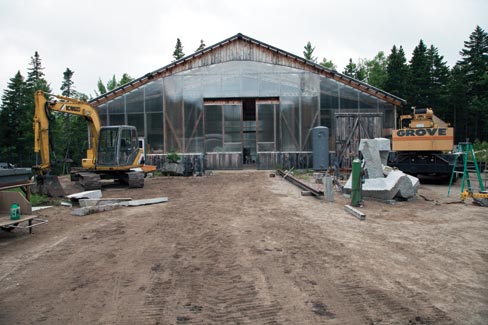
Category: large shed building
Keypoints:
(242, 103)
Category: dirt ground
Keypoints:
(246, 248)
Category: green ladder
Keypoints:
(465, 149)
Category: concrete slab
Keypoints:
(134, 203)
(99, 202)
(96, 194)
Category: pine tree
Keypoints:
(351, 69)
(328, 64)
(112, 83)
(439, 75)
(67, 88)
(377, 73)
(126, 78)
(308, 53)
(418, 89)
(474, 67)
(12, 113)
(362, 70)
(178, 52)
(475, 61)
(201, 46)
(35, 75)
(397, 73)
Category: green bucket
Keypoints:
(14, 212)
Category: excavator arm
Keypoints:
(41, 127)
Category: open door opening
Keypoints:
(249, 153)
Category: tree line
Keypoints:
(458, 95)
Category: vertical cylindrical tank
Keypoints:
(320, 147)
(356, 183)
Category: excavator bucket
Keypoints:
(49, 185)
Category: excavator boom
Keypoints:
(41, 127)
(113, 151)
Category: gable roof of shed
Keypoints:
(250, 50)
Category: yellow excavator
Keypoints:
(113, 151)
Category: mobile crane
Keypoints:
(422, 144)
(113, 151)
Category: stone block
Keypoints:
(371, 156)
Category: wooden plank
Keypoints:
(5, 220)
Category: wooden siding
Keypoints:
(241, 48)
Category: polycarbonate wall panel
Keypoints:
(193, 125)
(116, 111)
(310, 118)
(266, 126)
(348, 98)
(173, 110)
(213, 128)
(134, 101)
(232, 124)
(368, 102)
(170, 113)
(290, 124)
(153, 96)
(137, 120)
(102, 114)
(388, 114)
(155, 125)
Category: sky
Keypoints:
(99, 38)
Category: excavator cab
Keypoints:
(118, 146)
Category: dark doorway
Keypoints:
(249, 132)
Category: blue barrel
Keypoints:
(320, 148)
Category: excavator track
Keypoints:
(135, 179)
(90, 181)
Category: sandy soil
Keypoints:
(245, 248)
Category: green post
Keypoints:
(356, 183)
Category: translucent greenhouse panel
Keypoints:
(117, 119)
(153, 96)
(231, 84)
(116, 112)
(348, 98)
(137, 120)
(193, 125)
(329, 93)
(102, 113)
(212, 86)
(266, 127)
(388, 115)
(290, 126)
(269, 85)
(290, 84)
(213, 128)
(232, 128)
(134, 101)
(173, 110)
(155, 138)
(310, 118)
(249, 85)
(368, 103)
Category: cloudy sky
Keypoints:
(99, 38)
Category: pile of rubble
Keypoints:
(382, 182)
